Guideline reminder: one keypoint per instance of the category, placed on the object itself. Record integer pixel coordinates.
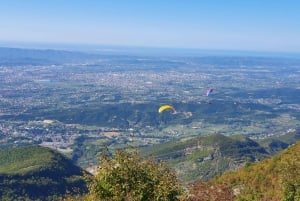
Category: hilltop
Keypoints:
(37, 172)
(201, 158)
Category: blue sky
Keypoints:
(253, 25)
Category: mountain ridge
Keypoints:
(207, 156)
(37, 172)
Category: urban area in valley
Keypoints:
(77, 106)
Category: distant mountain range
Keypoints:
(18, 56)
(25, 56)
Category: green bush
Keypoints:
(126, 176)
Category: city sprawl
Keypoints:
(113, 101)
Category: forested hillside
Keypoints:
(37, 173)
(201, 158)
(277, 178)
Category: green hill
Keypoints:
(277, 143)
(201, 158)
(276, 178)
(37, 173)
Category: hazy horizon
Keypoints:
(256, 26)
(144, 51)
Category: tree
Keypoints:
(126, 176)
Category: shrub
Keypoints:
(126, 176)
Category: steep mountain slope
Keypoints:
(37, 173)
(204, 157)
(277, 178)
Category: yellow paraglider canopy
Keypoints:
(165, 107)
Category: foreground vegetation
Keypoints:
(277, 178)
(128, 177)
(122, 178)
(38, 173)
